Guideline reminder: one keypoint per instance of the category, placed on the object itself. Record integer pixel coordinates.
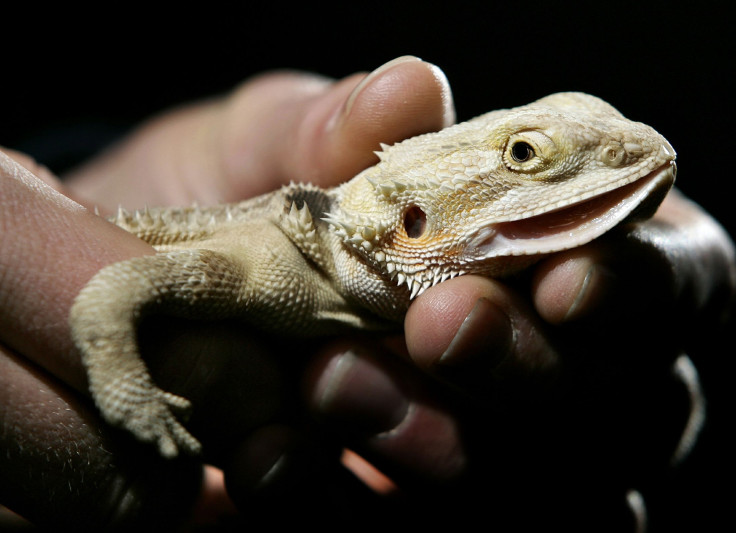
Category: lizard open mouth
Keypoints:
(576, 224)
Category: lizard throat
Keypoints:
(576, 224)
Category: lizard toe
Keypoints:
(177, 403)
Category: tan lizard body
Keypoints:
(488, 196)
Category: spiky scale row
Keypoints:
(420, 280)
(360, 232)
(299, 224)
(161, 226)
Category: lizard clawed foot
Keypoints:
(151, 419)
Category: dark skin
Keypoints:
(490, 383)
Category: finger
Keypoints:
(676, 267)
(49, 249)
(700, 254)
(386, 412)
(44, 174)
(35, 168)
(328, 133)
(279, 464)
(477, 333)
(235, 380)
(62, 468)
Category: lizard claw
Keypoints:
(177, 438)
(174, 436)
(151, 419)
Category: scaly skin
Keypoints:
(488, 196)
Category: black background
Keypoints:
(70, 82)
(666, 66)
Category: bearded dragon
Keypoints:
(488, 196)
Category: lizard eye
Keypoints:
(521, 151)
(415, 222)
(529, 151)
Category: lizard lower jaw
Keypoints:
(574, 225)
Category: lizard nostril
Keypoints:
(613, 154)
(415, 220)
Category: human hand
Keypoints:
(270, 130)
(569, 388)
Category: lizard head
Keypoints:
(492, 194)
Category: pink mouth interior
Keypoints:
(568, 219)
(574, 225)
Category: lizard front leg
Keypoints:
(104, 320)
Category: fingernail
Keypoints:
(483, 341)
(263, 455)
(448, 116)
(372, 76)
(361, 395)
(596, 282)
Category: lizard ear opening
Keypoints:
(415, 222)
